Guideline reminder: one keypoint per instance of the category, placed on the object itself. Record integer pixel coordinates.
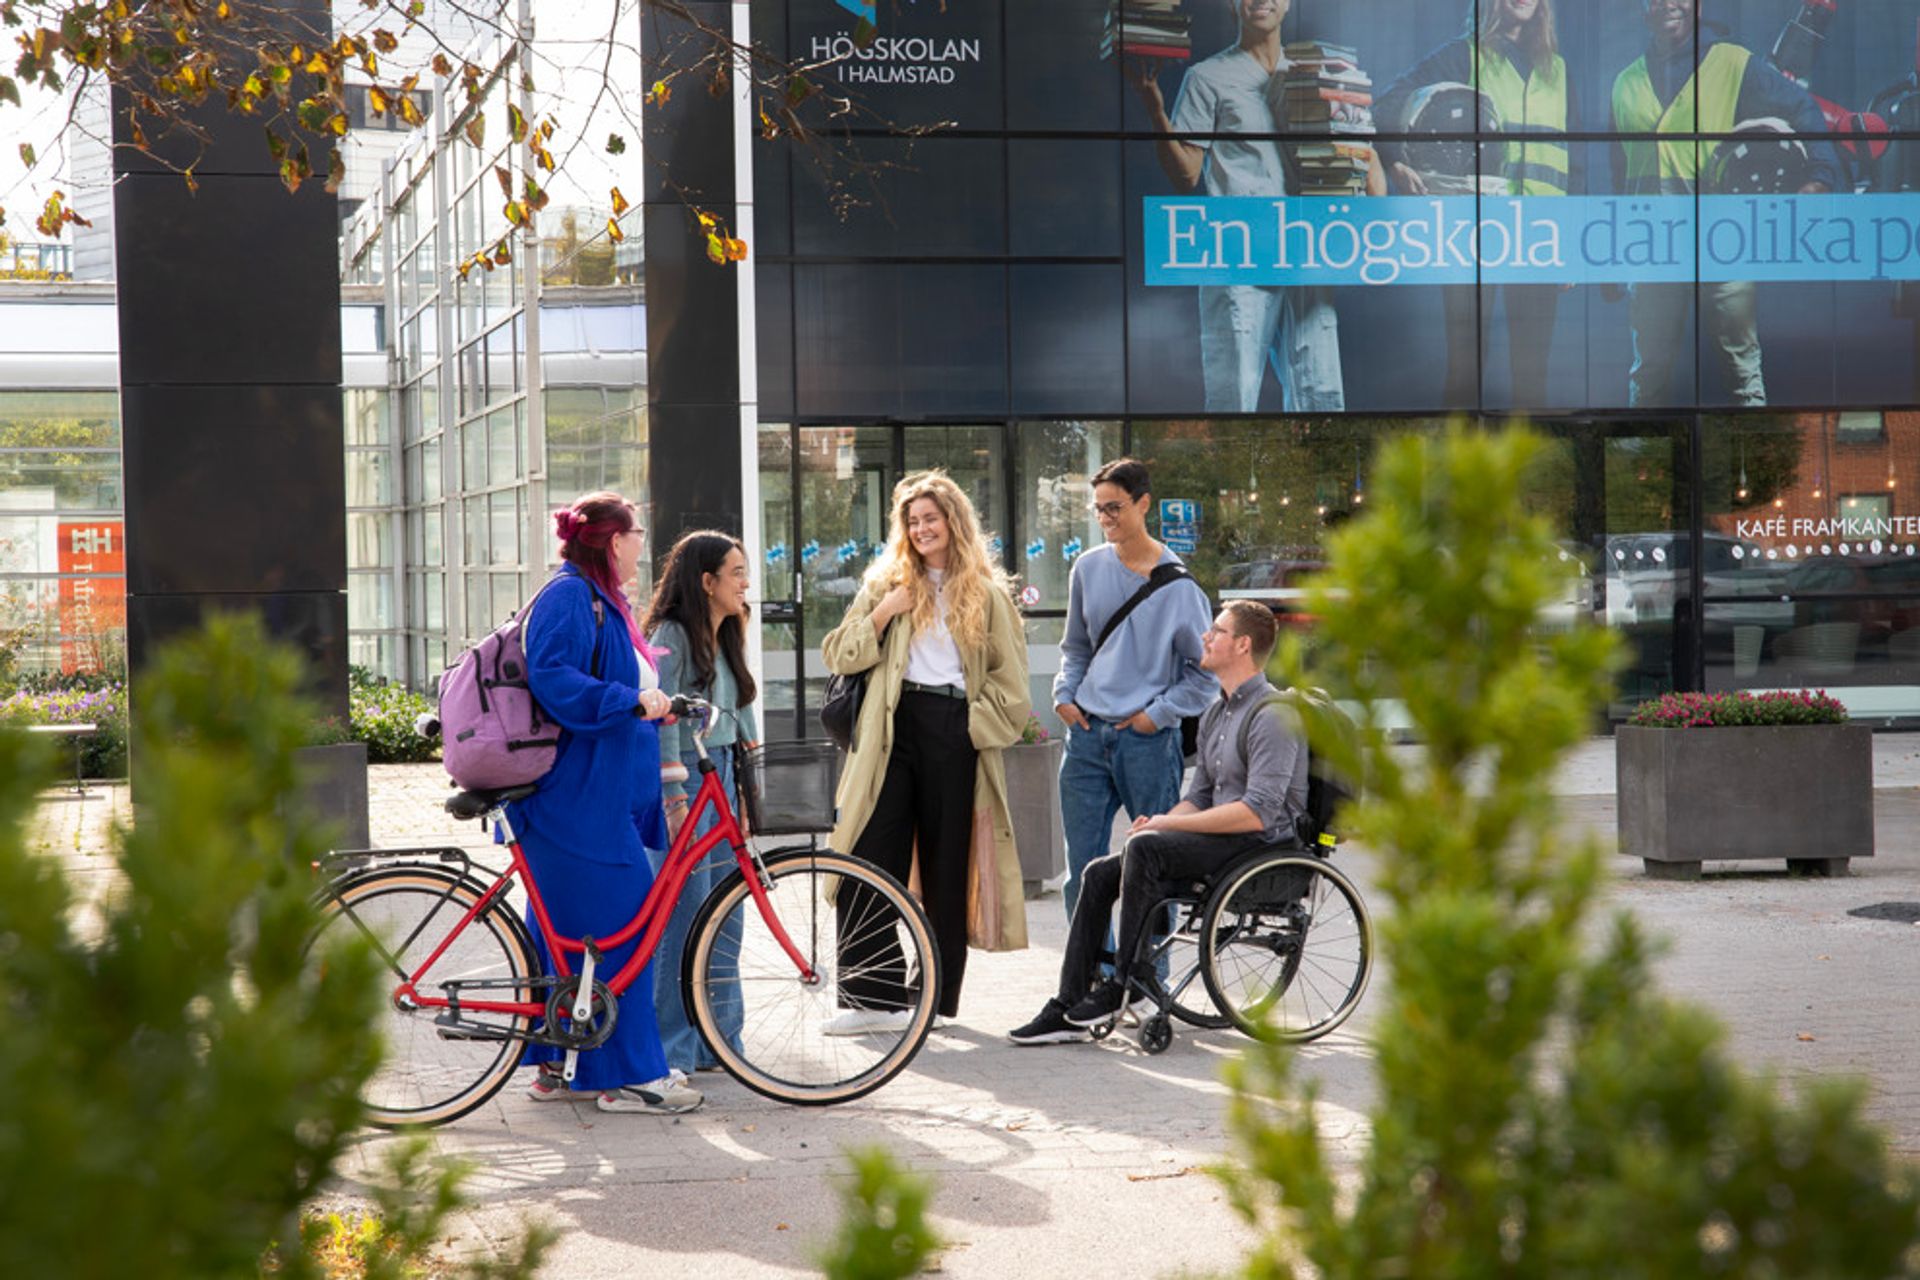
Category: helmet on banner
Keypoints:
(1444, 117)
(1763, 158)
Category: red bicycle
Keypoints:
(762, 974)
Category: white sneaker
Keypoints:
(862, 1022)
(669, 1095)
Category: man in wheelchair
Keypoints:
(1236, 803)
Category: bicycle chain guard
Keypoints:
(561, 1031)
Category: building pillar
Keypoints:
(231, 416)
(700, 474)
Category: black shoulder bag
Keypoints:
(1162, 575)
(840, 708)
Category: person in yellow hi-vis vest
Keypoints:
(1681, 103)
(1511, 56)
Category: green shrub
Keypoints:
(883, 1228)
(383, 717)
(182, 1076)
(1541, 1109)
(1722, 710)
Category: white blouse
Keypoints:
(933, 657)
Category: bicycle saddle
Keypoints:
(472, 804)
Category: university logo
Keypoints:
(868, 9)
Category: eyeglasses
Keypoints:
(1111, 510)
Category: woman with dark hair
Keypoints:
(586, 830)
(697, 625)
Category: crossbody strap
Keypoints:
(1171, 571)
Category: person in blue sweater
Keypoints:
(697, 624)
(586, 830)
(1123, 705)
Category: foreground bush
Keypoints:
(180, 1079)
(1542, 1110)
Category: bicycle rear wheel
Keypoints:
(1286, 947)
(852, 923)
(432, 1074)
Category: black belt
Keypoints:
(944, 690)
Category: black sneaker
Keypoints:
(1051, 1027)
(1104, 1003)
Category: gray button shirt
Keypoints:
(1271, 781)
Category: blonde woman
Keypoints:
(924, 794)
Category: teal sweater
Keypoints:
(677, 676)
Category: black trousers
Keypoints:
(927, 797)
(1136, 876)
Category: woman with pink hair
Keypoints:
(586, 830)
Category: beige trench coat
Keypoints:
(998, 706)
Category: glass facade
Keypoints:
(62, 549)
(1247, 242)
(505, 385)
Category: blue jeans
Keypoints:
(1105, 768)
(678, 1036)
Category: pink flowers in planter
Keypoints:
(1726, 710)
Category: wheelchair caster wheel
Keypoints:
(1101, 1030)
(1156, 1033)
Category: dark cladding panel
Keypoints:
(693, 310)
(236, 283)
(234, 489)
(696, 459)
(312, 623)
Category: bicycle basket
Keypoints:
(788, 787)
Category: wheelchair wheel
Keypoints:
(1286, 946)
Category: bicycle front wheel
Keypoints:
(873, 966)
(432, 1072)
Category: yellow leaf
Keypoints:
(707, 220)
(620, 206)
(377, 100)
(736, 250)
(716, 251)
(614, 233)
(410, 111)
(222, 11)
(318, 65)
(1804, 1036)
(659, 94)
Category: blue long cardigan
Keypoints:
(606, 752)
(586, 829)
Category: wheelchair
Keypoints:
(1277, 944)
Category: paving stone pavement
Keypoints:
(1046, 1157)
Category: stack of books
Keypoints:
(1147, 29)
(1325, 92)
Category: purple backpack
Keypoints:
(493, 734)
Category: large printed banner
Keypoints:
(1395, 240)
(89, 607)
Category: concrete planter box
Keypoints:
(1803, 793)
(1033, 797)
(333, 786)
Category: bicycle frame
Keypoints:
(649, 923)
